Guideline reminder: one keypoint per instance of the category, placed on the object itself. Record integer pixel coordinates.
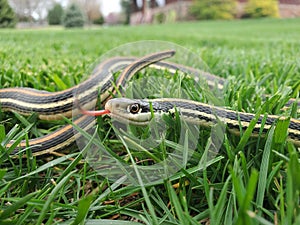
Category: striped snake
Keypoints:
(56, 105)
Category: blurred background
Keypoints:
(79, 13)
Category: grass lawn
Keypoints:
(249, 181)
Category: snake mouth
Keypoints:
(127, 120)
(114, 112)
(119, 110)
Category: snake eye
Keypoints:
(134, 108)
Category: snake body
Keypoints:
(141, 111)
(53, 106)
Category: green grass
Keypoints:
(249, 181)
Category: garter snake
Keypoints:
(52, 106)
(141, 111)
(55, 105)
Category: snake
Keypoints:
(141, 111)
(100, 85)
(57, 105)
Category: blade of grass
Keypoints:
(263, 173)
(176, 203)
(83, 209)
(243, 218)
(51, 197)
(218, 211)
(44, 167)
(15, 206)
(2, 133)
(143, 189)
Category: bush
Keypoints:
(160, 17)
(258, 8)
(213, 9)
(73, 17)
(171, 16)
(99, 21)
(165, 17)
(7, 16)
(55, 15)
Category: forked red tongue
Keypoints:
(91, 112)
(95, 113)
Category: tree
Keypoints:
(126, 8)
(91, 9)
(73, 17)
(99, 21)
(26, 9)
(7, 15)
(213, 9)
(55, 15)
